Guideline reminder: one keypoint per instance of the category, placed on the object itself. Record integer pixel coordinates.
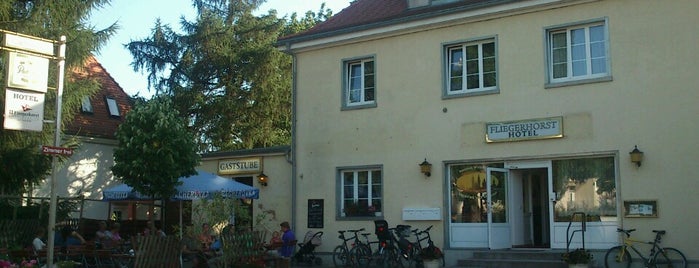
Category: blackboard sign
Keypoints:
(315, 213)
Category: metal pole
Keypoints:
(57, 143)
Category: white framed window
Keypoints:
(112, 107)
(360, 192)
(359, 87)
(471, 67)
(86, 105)
(578, 52)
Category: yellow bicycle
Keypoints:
(620, 256)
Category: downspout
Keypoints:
(293, 161)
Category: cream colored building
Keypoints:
(527, 111)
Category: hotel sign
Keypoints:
(23, 110)
(240, 165)
(544, 128)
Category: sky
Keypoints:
(137, 17)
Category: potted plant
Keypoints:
(577, 258)
(431, 256)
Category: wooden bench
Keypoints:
(157, 252)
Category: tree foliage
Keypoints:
(21, 163)
(224, 72)
(155, 149)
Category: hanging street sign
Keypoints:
(29, 44)
(27, 72)
(23, 110)
(56, 150)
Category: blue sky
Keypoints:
(137, 17)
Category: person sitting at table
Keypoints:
(206, 237)
(38, 244)
(114, 232)
(151, 229)
(68, 237)
(102, 236)
(191, 249)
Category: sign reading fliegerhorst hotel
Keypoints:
(240, 165)
(544, 128)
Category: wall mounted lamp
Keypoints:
(636, 156)
(426, 168)
(262, 179)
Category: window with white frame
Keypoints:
(360, 83)
(578, 52)
(471, 67)
(360, 192)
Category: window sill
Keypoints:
(578, 82)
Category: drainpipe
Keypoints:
(294, 169)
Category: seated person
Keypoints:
(206, 237)
(151, 229)
(102, 236)
(191, 249)
(38, 244)
(68, 237)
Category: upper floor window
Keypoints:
(113, 107)
(578, 52)
(360, 84)
(86, 105)
(471, 67)
(360, 192)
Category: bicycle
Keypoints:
(341, 253)
(418, 248)
(620, 256)
(387, 254)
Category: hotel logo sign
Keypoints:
(533, 129)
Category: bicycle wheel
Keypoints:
(361, 255)
(617, 257)
(669, 257)
(390, 257)
(341, 257)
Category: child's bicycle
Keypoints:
(620, 256)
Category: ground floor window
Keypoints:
(360, 192)
(585, 185)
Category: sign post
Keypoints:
(28, 70)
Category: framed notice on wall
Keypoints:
(641, 208)
(315, 213)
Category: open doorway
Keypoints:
(531, 219)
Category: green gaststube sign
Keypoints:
(532, 129)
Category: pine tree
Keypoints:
(225, 73)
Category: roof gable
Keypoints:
(99, 123)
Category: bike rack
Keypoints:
(569, 234)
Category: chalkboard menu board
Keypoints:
(315, 213)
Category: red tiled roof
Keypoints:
(99, 124)
(363, 14)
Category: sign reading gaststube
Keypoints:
(240, 165)
(544, 128)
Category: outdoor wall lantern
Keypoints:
(262, 179)
(426, 168)
(636, 156)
